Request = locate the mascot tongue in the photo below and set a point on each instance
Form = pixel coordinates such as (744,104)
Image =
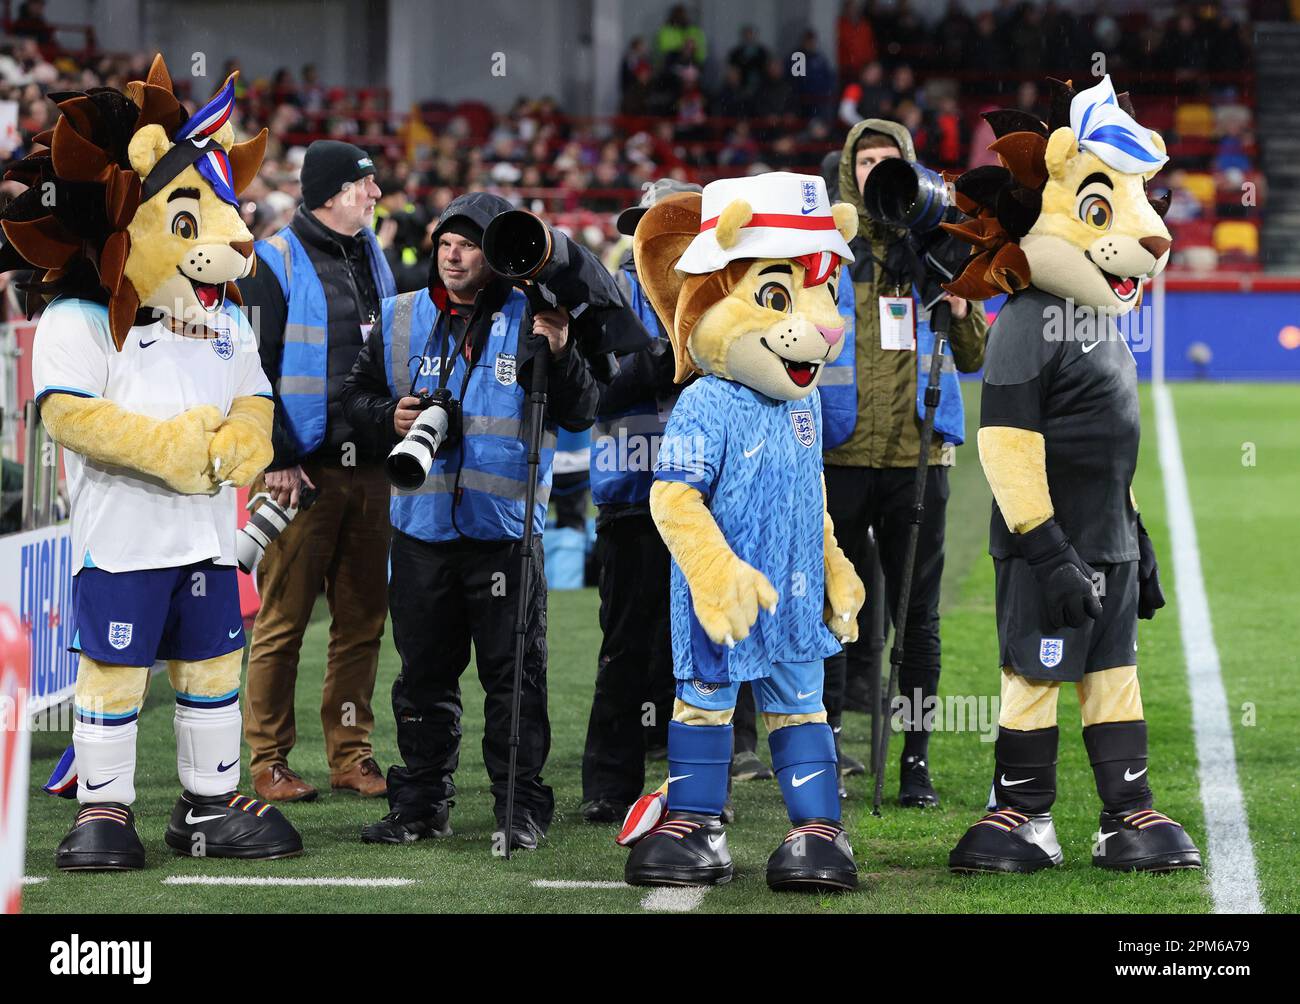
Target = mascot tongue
(208,295)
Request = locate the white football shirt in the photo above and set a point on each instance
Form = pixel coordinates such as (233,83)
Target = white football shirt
(123,520)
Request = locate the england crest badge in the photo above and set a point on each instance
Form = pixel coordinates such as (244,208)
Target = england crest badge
(1050,651)
(505,369)
(805,429)
(119,634)
(224,345)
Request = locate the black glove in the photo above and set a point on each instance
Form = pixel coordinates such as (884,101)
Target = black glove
(1150,596)
(1065,579)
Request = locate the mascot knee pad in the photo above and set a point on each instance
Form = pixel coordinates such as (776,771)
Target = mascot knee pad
(1027,704)
(699,763)
(803,757)
(208,723)
(108,700)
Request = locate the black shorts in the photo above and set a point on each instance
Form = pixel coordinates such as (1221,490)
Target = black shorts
(1033,648)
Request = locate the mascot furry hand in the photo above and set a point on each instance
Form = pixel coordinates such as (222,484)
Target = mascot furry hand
(744,279)
(148,374)
(1066,228)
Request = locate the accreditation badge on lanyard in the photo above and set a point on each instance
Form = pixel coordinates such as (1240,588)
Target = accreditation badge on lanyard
(897,324)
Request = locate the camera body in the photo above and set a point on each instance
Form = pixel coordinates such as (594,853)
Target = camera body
(439,425)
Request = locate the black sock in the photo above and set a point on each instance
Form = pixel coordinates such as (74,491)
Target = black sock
(920,690)
(1025,770)
(1118,754)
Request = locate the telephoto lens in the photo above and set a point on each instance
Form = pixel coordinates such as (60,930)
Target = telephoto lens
(266,523)
(906,194)
(409,462)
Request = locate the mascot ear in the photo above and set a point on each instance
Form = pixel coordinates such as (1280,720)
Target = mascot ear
(1158,142)
(846,220)
(662,237)
(1061,146)
(730,220)
(146,149)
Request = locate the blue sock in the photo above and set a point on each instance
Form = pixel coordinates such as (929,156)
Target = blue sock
(803,757)
(699,761)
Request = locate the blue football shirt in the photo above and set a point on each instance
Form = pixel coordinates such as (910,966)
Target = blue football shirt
(758,464)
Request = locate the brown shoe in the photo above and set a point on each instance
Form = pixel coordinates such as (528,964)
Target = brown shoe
(280,784)
(365,778)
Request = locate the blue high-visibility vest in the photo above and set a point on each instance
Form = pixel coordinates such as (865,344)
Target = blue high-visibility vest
(476,487)
(624,445)
(839,382)
(304,367)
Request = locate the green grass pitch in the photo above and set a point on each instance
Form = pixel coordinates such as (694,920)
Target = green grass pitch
(1243,514)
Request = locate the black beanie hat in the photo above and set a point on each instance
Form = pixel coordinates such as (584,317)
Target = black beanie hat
(329,165)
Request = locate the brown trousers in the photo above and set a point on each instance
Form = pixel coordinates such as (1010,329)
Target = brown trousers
(342,543)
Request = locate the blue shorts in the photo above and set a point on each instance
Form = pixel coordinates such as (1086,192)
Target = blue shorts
(792,688)
(189,613)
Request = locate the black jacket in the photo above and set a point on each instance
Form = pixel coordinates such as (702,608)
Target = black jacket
(343,267)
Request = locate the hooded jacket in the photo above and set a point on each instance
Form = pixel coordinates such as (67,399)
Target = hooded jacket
(888,429)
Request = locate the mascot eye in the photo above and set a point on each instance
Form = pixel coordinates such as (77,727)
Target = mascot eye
(774,296)
(1096,212)
(185,225)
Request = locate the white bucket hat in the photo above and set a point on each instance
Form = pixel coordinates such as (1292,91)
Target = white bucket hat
(790,216)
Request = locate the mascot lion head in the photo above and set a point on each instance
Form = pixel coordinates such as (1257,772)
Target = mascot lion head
(744,278)
(1067,210)
(135,205)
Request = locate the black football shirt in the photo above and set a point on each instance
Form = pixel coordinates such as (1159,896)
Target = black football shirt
(1064,371)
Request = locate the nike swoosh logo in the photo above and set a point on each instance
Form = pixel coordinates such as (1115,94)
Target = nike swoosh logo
(234,633)
(144,344)
(799,782)
(1134,777)
(1103,837)
(802,695)
(192,819)
(750,453)
(1011,784)
(1089,346)
(807,211)
(715,842)
(222,767)
(681,777)
(96,787)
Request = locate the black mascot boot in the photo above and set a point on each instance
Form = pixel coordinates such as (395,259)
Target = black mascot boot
(1132,836)
(231,826)
(687,848)
(1019,835)
(1143,841)
(102,838)
(1007,841)
(815,856)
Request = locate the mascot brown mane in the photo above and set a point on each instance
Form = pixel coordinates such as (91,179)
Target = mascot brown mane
(71,225)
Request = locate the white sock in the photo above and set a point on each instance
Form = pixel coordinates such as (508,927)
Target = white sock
(105,762)
(207,740)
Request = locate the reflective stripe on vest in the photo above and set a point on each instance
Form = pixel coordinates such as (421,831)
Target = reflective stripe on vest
(624,446)
(478,488)
(838,385)
(303,365)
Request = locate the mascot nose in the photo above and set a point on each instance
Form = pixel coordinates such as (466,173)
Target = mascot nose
(245,248)
(1156,245)
(832,335)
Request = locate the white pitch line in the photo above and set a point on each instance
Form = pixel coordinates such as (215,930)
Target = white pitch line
(259,880)
(577,884)
(681,899)
(1234,885)
(35,879)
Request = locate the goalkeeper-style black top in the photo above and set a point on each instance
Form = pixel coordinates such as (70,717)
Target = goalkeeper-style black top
(1069,375)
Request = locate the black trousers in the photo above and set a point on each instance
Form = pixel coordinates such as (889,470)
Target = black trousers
(862,498)
(443,597)
(633,701)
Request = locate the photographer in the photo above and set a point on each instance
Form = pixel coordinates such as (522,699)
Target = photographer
(455,560)
(314,298)
(873,434)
